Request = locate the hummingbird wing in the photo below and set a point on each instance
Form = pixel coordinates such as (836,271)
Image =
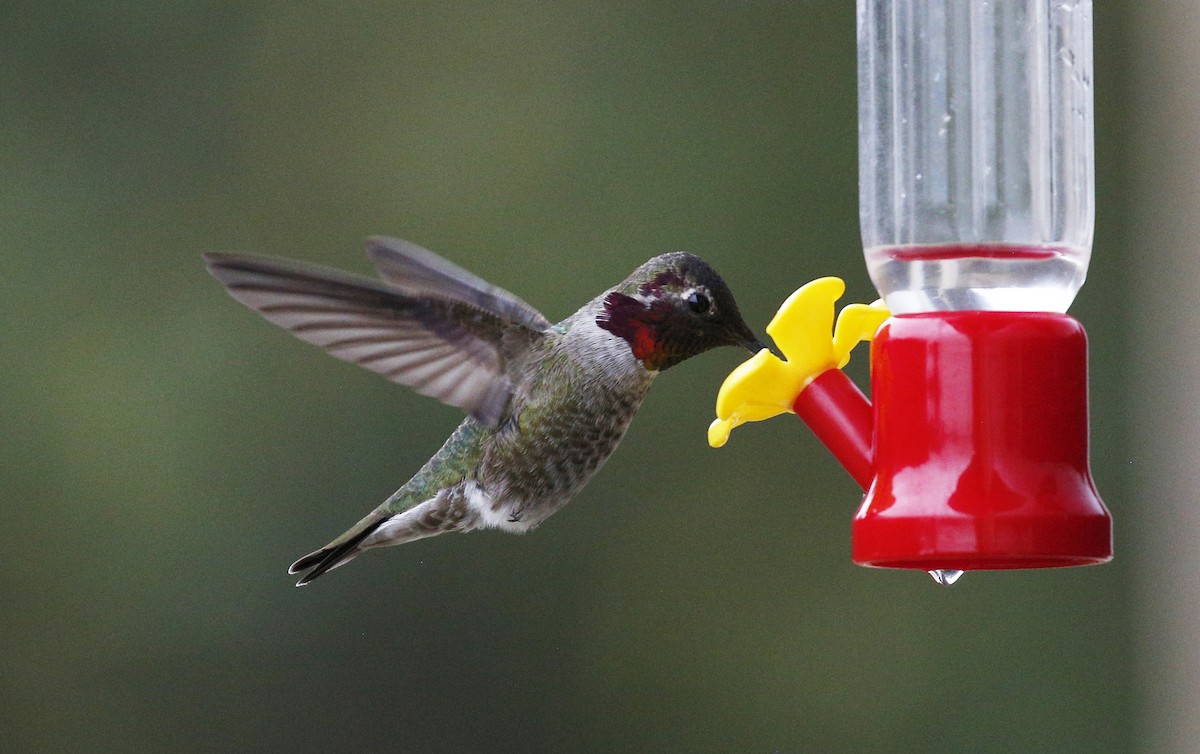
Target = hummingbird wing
(420,272)
(431,326)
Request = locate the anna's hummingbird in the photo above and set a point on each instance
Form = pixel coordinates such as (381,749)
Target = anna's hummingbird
(547,403)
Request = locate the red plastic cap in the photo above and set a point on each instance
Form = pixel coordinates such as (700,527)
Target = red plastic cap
(981,446)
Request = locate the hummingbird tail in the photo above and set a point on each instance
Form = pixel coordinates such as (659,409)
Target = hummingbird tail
(437,515)
(338,552)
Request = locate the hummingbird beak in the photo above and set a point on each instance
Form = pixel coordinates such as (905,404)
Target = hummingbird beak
(743,336)
(740,334)
(753,345)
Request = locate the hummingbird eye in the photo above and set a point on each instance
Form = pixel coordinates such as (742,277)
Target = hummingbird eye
(698,302)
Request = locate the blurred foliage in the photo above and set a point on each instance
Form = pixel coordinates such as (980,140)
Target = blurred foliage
(167,454)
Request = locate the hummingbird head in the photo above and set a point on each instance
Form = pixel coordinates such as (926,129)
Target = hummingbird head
(673,307)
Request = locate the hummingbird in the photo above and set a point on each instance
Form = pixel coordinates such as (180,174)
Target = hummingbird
(546,404)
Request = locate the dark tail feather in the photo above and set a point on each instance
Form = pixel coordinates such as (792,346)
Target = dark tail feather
(335,554)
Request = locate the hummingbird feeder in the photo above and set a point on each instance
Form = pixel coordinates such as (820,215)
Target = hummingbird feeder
(976,188)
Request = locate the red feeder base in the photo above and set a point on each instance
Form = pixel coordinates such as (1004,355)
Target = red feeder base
(980,446)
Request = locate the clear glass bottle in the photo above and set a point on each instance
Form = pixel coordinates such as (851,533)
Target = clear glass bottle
(975,152)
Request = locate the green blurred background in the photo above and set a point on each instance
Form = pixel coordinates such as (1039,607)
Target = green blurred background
(166,453)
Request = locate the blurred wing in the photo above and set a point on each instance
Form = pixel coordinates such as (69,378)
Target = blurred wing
(436,337)
(419,272)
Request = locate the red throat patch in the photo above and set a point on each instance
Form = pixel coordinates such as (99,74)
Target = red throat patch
(630,320)
(643,344)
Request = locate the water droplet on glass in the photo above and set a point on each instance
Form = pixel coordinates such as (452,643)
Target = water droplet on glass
(946,576)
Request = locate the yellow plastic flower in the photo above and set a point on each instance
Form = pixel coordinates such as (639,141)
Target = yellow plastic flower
(765,385)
